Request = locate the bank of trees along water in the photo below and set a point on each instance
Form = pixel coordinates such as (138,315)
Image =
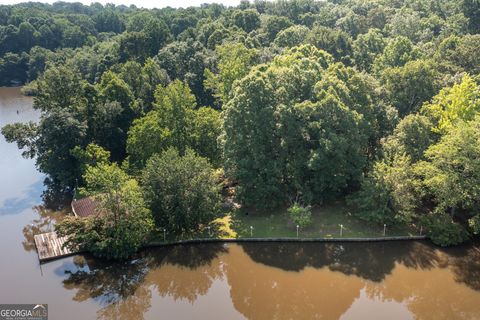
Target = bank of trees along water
(299,102)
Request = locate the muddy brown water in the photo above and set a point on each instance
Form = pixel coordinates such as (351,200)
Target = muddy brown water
(394,280)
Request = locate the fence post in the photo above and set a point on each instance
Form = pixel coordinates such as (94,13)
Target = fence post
(384,229)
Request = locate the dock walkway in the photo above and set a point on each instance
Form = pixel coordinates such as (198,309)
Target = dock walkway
(50,246)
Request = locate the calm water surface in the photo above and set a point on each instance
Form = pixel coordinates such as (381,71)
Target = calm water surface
(404,280)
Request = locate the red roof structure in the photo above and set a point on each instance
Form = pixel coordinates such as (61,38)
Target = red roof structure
(84,207)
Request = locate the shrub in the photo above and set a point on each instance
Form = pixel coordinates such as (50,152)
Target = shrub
(300,215)
(444,232)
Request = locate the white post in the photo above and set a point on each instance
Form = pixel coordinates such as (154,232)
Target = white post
(384,229)
(164,235)
(341,230)
(251,231)
(297,229)
(209,233)
(421,230)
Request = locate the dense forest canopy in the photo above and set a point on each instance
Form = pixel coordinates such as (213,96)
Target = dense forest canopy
(301,101)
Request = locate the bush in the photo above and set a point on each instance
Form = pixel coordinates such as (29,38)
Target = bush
(300,215)
(444,232)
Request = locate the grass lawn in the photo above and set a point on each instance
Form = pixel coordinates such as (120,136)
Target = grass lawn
(326,222)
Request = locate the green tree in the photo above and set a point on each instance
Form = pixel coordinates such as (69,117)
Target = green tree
(250,142)
(73,36)
(471,10)
(152,77)
(451,172)
(158,35)
(323,148)
(411,85)
(407,23)
(336,42)
(91,156)
(352,23)
(247,20)
(234,62)
(292,36)
(122,223)
(367,47)
(146,138)
(275,24)
(37,61)
(206,128)
(389,193)
(452,104)
(175,105)
(26,35)
(397,53)
(187,61)
(182,191)
(117,108)
(109,21)
(459,54)
(13,68)
(412,136)
(443,231)
(174,122)
(143,80)
(133,46)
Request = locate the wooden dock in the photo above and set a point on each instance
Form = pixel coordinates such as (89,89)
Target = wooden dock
(50,246)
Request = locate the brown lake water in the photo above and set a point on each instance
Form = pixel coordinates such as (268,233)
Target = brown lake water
(394,280)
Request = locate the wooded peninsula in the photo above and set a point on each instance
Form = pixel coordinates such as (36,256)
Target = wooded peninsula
(185,120)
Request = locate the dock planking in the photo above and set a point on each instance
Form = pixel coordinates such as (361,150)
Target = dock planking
(50,246)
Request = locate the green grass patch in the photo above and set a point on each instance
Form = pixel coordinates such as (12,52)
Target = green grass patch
(326,221)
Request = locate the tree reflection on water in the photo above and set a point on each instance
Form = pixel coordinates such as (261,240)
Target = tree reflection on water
(123,288)
(44,223)
(326,279)
(465,263)
(187,272)
(371,261)
(117,286)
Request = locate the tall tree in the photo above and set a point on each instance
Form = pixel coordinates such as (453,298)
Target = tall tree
(182,191)
(452,104)
(174,122)
(411,85)
(234,62)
